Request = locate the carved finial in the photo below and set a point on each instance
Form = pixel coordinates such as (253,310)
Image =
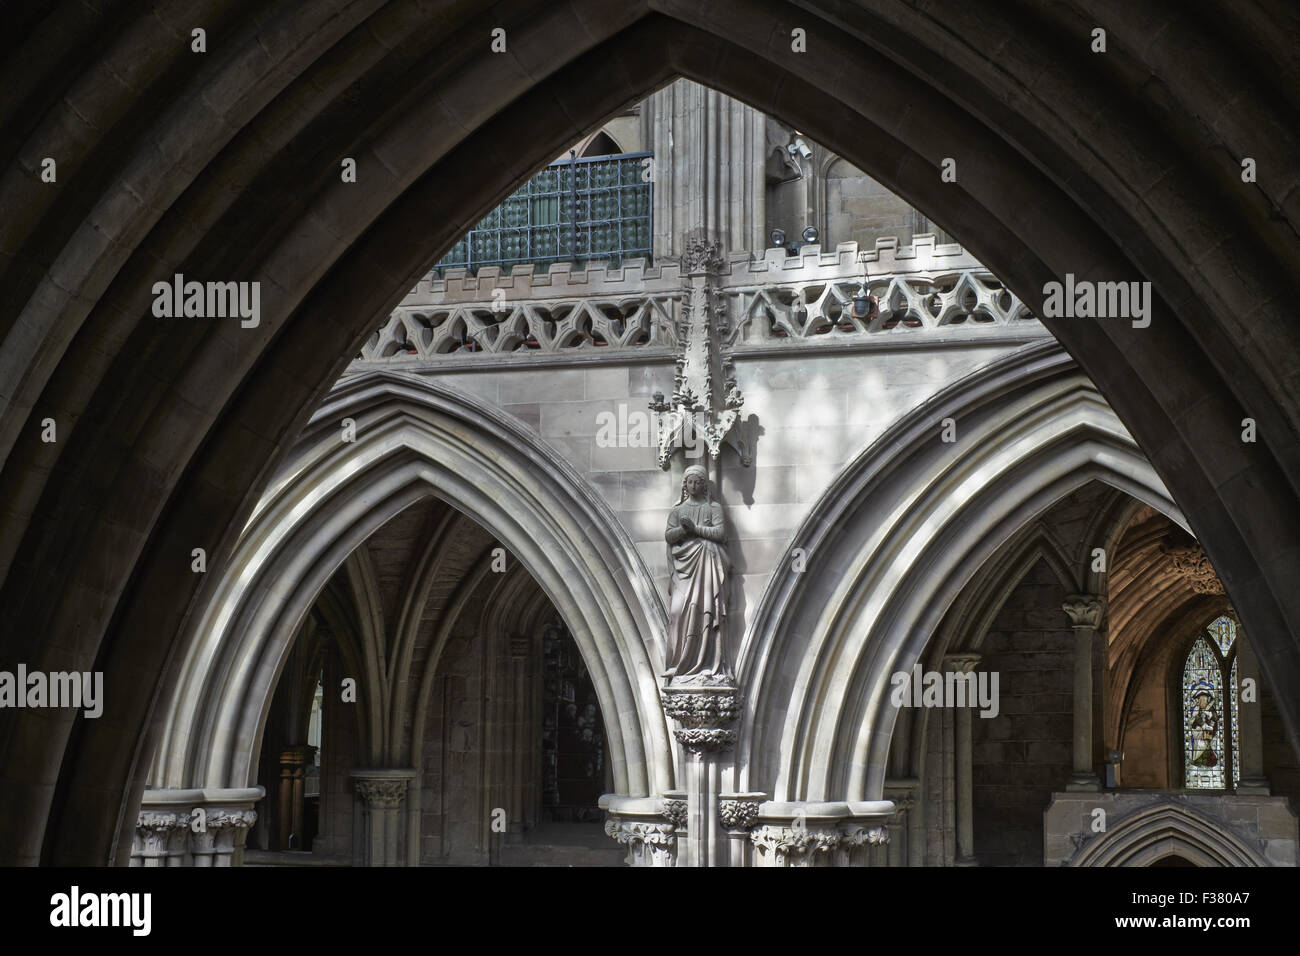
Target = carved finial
(698,410)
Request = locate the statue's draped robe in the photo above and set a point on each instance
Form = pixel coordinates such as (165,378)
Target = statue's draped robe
(699,589)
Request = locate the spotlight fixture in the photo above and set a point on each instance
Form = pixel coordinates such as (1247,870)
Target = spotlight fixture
(800,147)
(777,238)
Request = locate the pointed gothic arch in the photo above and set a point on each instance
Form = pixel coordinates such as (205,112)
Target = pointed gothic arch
(415,438)
(168,432)
(974,611)
(1168,829)
(891,546)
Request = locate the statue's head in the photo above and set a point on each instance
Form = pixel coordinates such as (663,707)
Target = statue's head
(695,482)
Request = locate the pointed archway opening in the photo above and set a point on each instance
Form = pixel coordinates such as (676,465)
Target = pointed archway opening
(431,648)
(210,417)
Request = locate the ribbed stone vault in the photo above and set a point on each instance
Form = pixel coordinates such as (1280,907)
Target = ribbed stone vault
(225,165)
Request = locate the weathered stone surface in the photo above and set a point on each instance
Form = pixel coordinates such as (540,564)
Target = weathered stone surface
(170,430)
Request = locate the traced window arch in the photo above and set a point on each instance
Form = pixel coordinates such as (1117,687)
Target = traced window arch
(601,144)
(1209,704)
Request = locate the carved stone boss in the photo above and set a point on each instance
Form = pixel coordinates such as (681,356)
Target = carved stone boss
(1191,562)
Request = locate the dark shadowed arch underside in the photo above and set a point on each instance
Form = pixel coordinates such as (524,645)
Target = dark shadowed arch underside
(1121,165)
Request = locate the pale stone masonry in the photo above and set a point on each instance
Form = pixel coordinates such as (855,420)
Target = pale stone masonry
(913,473)
(184,435)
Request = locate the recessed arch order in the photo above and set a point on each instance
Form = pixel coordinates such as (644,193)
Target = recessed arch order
(414,438)
(226,166)
(891,546)
(1146,836)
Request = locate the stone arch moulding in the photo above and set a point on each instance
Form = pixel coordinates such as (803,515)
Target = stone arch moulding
(1167,829)
(168,431)
(414,438)
(905,528)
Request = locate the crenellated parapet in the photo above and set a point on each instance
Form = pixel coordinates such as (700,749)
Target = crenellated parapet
(842,297)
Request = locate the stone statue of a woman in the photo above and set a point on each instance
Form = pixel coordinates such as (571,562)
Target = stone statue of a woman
(697,555)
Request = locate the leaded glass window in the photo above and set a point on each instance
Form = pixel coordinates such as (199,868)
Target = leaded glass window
(1209,695)
(577,210)
(1224,633)
(1232,717)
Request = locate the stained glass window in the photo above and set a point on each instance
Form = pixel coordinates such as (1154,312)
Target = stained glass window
(1209,670)
(1232,715)
(1224,632)
(1203,718)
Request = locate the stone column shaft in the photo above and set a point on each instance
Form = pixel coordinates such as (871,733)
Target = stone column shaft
(521,743)
(382,792)
(1085,612)
(963,764)
(905,840)
(721,191)
(1249,729)
(948,729)
(965,790)
(704,713)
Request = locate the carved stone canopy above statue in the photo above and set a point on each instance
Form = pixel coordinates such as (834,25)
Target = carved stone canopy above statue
(699,409)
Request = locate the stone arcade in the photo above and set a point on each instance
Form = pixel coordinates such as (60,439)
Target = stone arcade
(716,703)
(443,619)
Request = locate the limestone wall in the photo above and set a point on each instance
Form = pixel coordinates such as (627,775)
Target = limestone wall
(813,414)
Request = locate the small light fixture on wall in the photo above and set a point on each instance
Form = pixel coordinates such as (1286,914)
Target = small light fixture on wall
(799,147)
(865,306)
(777,238)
